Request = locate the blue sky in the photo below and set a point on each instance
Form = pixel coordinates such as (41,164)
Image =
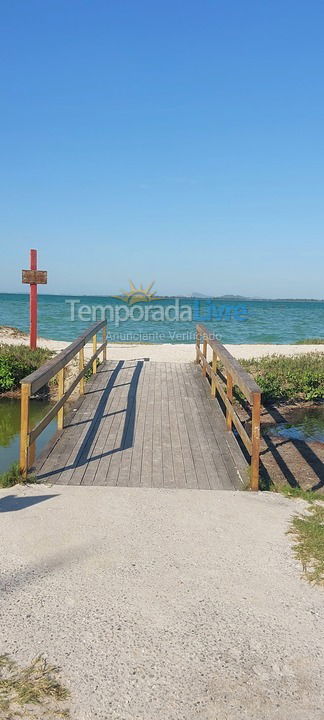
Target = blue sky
(174,141)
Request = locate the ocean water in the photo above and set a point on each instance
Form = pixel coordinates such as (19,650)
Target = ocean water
(169,320)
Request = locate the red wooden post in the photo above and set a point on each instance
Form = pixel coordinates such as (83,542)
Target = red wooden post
(33,303)
(33,277)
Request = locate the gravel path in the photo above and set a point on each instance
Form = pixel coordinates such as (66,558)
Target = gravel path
(162,605)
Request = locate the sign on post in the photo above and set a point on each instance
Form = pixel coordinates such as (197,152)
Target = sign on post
(33,277)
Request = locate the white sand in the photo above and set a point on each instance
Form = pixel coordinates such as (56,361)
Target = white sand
(166,352)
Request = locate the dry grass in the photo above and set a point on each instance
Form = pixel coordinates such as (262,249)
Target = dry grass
(34,691)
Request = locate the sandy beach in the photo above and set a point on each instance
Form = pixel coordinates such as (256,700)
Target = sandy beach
(162,353)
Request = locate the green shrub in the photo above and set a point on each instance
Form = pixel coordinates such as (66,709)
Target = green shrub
(11,477)
(300,377)
(6,377)
(17,361)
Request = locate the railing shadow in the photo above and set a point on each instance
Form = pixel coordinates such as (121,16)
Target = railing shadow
(12,503)
(306,452)
(127,438)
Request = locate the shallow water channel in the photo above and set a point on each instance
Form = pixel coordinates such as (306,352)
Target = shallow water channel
(302,424)
(10,428)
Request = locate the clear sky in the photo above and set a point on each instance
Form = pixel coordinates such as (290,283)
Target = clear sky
(168,140)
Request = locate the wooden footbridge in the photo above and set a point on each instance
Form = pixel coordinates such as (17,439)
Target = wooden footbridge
(143,423)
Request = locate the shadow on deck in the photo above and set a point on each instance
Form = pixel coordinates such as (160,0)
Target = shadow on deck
(149,424)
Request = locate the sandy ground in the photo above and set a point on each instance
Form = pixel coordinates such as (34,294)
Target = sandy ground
(162,604)
(166,352)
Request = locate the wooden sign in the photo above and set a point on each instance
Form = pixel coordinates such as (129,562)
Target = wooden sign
(33,277)
(39,277)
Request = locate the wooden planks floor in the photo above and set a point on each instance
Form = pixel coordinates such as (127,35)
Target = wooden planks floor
(143,423)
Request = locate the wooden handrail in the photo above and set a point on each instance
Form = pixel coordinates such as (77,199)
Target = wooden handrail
(241,377)
(46,372)
(237,376)
(56,367)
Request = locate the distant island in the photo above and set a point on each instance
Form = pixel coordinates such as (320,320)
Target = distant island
(193,296)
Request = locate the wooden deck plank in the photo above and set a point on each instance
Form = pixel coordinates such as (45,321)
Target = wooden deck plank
(177,456)
(146,424)
(123,425)
(113,431)
(100,406)
(224,448)
(216,466)
(157,468)
(197,441)
(113,412)
(136,464)
(147,448)
(124,477)
(189,465)
(58,459)
(169,480)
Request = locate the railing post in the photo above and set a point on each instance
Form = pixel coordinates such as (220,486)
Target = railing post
(214,369)
(60,414)
(204,350)
(197,347)
(229,394)
(81,367)
(94,349)
(104,340)
(255,459)
(24,429)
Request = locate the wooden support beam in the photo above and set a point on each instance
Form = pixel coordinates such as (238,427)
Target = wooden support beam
(24,429)
(213,387)
(81,366)
(94,349)
(204,351)
(104,340)
(229,393)
(255,459)
(60,414)
(197,347)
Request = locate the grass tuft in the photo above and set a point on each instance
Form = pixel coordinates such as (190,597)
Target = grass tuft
(308,533)
(11,477)
(36,688)
(297,492)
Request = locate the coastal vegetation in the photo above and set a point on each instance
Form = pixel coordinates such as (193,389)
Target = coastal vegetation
(308,533)
(310,341)
(281,378)
(17,361)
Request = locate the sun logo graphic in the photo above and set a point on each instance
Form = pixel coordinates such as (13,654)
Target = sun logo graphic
(136,295)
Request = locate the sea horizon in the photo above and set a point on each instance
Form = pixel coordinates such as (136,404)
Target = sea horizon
(199,296)
(169,319)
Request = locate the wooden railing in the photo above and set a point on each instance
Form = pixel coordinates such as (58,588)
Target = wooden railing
(56,367)
(235,376)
